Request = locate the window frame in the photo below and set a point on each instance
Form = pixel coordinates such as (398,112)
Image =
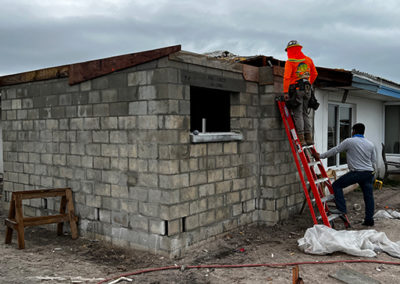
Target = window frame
(338,105)
(390,104)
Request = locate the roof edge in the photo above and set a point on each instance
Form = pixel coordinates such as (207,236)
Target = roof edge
(80,72)
(84,71)
(36,75)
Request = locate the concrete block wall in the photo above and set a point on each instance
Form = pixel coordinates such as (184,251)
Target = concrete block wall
(121,142)
(107,139)
(281,195)
(216,183)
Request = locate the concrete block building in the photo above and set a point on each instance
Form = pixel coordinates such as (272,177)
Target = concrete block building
(162,149)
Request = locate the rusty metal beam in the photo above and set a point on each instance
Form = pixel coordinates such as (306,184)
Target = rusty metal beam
(37,75)
(84,71)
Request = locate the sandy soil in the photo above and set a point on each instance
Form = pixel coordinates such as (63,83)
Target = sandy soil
(52,259)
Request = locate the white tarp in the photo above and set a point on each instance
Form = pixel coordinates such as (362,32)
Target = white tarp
(387,214)
(321,239)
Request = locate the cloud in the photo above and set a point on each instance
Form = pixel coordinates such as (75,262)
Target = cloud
(338,34)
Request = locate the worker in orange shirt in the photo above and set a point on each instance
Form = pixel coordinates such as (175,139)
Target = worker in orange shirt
(300,74)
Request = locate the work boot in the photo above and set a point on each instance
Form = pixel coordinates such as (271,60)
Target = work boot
(301,138)
(309,138)
(368,223)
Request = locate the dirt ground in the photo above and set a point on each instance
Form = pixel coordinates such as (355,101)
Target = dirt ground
(52,259)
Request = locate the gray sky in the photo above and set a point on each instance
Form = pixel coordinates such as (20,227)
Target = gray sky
(358,34)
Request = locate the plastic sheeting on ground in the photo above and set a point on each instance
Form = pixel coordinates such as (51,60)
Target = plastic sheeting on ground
(321,240)
(387,214)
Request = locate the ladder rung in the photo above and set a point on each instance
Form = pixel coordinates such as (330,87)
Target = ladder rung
(330,217)
(321,180)
(328,198)
(317,181)
(314,163)
(325,198)
(333,217)
(308,146)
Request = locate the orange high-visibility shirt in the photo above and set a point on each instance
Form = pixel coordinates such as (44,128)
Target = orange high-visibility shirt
(296,69)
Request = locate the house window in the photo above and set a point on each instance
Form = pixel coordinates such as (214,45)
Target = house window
(339,128)
(210,116)
(392,131)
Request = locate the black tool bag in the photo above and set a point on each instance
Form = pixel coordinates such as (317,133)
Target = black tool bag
(312,102)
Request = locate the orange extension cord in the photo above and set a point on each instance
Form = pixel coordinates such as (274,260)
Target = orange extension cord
(184,267)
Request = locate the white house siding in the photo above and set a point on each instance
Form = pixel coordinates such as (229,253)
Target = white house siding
(367,111)
(1,151)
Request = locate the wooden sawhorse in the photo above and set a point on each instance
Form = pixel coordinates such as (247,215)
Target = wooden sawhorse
(16,220)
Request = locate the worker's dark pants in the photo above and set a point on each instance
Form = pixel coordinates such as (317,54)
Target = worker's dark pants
(364,179)
(301,115)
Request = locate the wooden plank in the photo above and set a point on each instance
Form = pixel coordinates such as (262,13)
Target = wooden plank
(19,218)
(203,60)
(37,75)
(266,76)
(11,215)
(63,204)
(278,71)
(84,71)
(250,73)
(44,220)
(72,217)
(41,193)
(10,222)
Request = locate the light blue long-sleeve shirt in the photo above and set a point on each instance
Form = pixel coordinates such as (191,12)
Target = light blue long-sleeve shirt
(360,153)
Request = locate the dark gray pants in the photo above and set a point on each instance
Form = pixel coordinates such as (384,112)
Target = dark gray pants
(301,115)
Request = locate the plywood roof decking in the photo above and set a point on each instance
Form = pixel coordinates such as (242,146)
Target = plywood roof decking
(80,72)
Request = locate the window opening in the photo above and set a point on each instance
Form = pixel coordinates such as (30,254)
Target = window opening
(209,110)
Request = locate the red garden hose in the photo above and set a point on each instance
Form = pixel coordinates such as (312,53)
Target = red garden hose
(250,265)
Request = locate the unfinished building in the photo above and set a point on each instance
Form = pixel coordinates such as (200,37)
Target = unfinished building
(162,149)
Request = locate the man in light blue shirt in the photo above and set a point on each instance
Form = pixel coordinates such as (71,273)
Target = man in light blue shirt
(361,160)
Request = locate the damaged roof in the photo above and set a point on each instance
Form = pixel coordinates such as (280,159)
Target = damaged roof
(327,77)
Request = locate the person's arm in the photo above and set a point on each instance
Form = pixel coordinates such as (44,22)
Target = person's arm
(333,151)
(313,72)
(373,160)
(286,77)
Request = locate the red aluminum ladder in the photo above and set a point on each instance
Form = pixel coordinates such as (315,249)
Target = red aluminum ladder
(317,183)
